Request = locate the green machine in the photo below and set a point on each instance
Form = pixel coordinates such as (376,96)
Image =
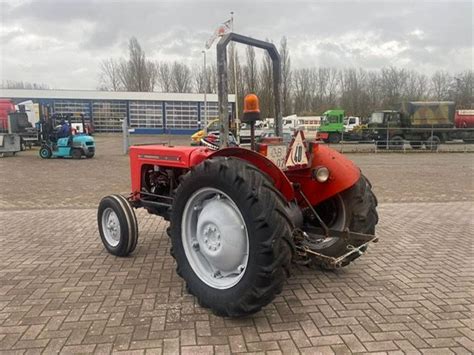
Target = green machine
(332,126)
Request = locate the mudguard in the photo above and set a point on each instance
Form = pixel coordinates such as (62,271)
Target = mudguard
(343,174)
(281,181)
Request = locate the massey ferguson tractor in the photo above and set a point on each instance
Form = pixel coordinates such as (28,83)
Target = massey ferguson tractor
(240,217)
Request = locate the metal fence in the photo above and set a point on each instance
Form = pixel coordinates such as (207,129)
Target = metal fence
(404,147)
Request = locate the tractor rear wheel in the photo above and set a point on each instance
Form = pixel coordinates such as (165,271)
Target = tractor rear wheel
(355,209)
(118,225)
(230,236)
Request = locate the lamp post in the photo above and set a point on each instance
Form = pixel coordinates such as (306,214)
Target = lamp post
(205,90)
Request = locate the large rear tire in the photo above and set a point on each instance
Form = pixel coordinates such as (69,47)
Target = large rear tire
(354,208)
(118,225)
(230,236)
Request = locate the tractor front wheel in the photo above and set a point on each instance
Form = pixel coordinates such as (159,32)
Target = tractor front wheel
(355,209)
(230,236)
(118,225)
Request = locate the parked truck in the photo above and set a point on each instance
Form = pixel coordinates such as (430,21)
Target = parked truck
(335,127)
(420,123)
(332,126)
(6,106)
(464,119)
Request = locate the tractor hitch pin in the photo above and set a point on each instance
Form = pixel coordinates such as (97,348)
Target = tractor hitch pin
(313,211)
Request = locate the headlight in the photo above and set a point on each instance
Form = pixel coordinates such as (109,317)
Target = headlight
(321,174)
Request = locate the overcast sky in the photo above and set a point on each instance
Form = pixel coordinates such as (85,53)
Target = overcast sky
(61,43)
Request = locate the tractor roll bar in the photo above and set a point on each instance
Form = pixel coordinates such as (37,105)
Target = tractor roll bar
(222,84)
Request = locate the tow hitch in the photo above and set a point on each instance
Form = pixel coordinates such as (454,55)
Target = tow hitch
(306,243)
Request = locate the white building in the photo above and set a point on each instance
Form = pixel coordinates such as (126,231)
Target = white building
(146,112)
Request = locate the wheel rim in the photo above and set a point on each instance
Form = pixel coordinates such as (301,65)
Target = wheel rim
(333,213)
(44,153)
(111,227)
(215,238)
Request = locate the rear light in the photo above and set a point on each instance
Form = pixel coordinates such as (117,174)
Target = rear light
(262,149)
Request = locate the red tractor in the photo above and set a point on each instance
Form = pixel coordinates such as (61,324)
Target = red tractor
(239,217)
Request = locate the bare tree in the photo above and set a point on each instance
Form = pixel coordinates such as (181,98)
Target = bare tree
(416,86)
(135,74)
(285,77)
(13,84)
(266,86)
(302,79)
(351,82)
(199,79)
(440,83)
(164,76)
(212,78)
(251,71)
(462,89)
(393,85)
(181,78)
(109,77)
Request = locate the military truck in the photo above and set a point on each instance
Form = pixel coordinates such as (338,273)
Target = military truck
(420,123)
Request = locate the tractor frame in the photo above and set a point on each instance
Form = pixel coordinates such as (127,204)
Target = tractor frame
(237,219)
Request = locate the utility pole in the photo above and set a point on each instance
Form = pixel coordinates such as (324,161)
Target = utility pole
(237,120)
(205,91)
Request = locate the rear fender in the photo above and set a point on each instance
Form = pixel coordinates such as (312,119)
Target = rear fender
(343,174)
(280,180)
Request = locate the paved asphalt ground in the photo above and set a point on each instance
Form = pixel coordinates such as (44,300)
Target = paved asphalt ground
(61,292)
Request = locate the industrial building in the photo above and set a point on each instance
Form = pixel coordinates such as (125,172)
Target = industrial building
(145,112)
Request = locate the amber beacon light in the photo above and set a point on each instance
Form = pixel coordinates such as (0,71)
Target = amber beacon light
(251,109)
(251,114)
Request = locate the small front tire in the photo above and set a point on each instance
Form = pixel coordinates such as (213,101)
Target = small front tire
(45,152)
(118,225)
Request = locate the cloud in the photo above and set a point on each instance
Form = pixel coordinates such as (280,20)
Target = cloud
(62,42)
